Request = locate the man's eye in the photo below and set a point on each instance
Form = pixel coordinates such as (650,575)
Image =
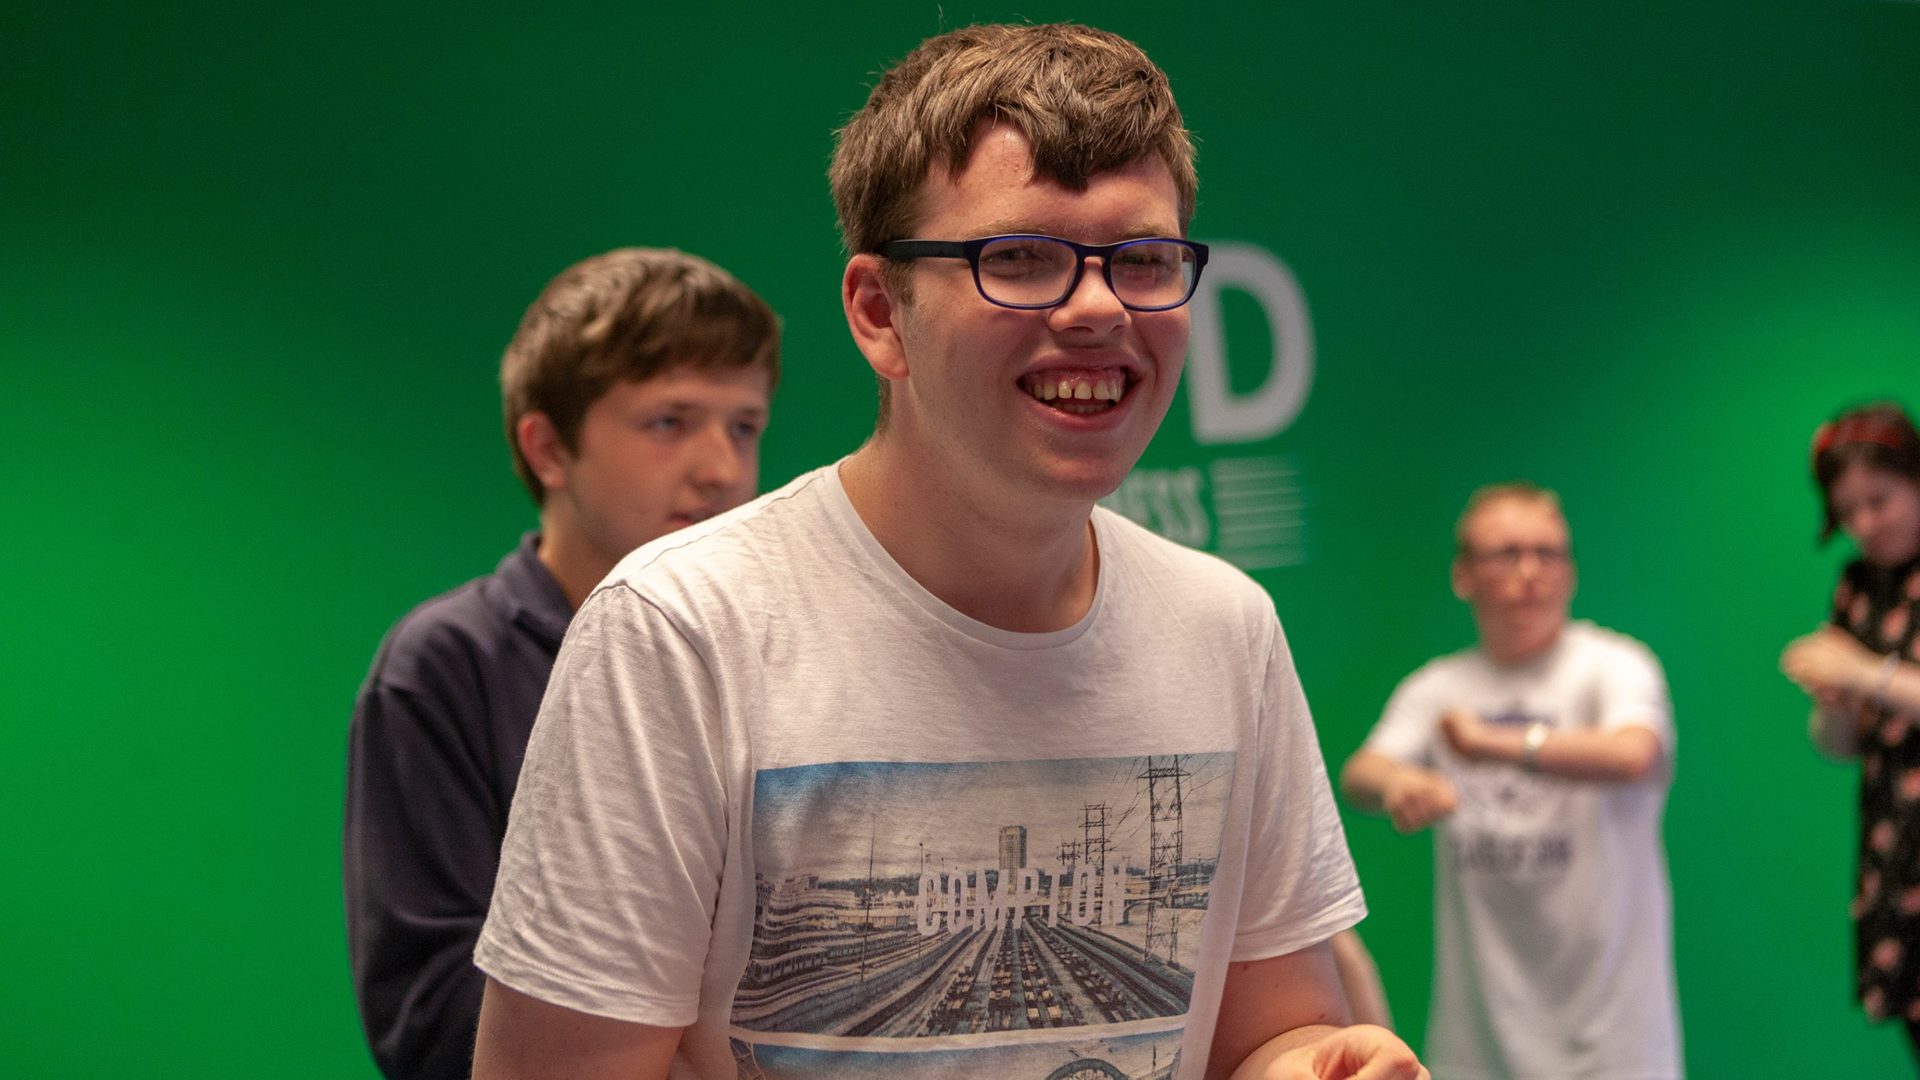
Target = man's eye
(1144,268)
(746,429)
(1009,258)
(1015,258)
(665,425)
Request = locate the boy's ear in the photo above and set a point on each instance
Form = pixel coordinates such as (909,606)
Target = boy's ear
(873,315)
(540,444)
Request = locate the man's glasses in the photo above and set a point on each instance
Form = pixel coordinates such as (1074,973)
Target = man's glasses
(1027,271)
(1510,557)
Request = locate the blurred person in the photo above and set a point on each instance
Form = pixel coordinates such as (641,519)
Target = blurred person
(1863,673)
(1360,978)
(635,392)
(1541,759)
(776,811)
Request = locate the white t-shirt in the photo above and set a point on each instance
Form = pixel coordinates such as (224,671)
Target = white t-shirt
(780,794)
(1553,911)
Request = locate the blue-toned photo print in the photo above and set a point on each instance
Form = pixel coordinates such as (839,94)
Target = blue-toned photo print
(956,908)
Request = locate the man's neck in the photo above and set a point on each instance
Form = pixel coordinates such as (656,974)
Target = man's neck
(574,564)
(1515,647)
(1025,568)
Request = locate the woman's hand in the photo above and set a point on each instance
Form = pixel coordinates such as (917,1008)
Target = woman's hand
(1830,665)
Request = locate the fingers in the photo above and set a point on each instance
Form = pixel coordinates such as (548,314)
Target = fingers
(1388,1070)
(1364,1052)
(1390,1064)
(1417,815)
(1809,665)
(1420,801)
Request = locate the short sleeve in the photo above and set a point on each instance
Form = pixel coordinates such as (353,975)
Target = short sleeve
(1301,888)
(1406,728)
(618,832)
(1632,691)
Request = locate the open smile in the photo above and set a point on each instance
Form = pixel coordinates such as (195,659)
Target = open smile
(1078,391)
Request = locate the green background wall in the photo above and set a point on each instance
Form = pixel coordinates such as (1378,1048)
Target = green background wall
(256,269)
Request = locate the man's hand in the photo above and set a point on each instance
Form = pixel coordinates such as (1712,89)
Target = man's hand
(1830,662)
(1416,798)
(1465,732)
(1360,1052)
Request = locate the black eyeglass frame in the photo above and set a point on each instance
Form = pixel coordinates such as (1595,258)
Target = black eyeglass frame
(1508,557)
(908,250)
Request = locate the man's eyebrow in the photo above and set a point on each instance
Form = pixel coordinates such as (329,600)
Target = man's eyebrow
(692,404)
(1017,226)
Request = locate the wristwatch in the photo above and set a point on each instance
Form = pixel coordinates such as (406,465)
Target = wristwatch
(1530,745)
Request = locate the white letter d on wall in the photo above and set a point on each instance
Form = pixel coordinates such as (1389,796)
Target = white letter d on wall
(1220,415)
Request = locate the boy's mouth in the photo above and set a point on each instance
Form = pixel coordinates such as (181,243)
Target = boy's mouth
(1077,391)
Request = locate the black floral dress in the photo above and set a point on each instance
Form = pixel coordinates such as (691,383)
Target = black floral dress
(1881,608)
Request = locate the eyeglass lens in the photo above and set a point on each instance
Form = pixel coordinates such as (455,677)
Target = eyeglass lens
(1037,271)
(1509,557)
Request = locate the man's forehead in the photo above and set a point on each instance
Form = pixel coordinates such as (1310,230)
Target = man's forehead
(1517,513)
(999,170)
(1024,223)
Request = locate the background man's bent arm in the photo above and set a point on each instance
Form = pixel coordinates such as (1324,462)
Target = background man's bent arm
(1360,978)
(1412,795)
(1623,755)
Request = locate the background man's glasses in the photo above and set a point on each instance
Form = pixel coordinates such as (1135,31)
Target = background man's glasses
(1511,556)
(1028,271)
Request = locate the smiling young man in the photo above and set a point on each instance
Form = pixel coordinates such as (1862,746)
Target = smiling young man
(635,392)
(923,765)
(1541,758)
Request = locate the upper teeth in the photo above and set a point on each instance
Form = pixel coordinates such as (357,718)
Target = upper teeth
(1079,387)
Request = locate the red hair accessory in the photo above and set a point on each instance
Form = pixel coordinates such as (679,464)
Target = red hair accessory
(1857,429)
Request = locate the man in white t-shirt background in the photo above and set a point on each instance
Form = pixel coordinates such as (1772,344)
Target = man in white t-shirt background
(1541,759)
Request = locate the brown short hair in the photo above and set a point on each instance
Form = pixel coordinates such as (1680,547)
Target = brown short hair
(1087,100)
(624,316)
(1879,435)
(1516,490)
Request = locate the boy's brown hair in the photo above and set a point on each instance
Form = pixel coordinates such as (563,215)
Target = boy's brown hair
(626,316)
(1087,100)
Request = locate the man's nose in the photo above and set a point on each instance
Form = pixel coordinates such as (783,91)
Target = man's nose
(1530,564)
(720,461)
(1092,302)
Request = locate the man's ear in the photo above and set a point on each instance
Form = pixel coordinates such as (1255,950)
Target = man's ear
(540,444)
(873,315)
(1461,586)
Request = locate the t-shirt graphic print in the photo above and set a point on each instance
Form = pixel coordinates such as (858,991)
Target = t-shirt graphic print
(1009,919)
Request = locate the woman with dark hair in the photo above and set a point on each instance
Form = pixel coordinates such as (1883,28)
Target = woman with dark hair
(1863,673)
